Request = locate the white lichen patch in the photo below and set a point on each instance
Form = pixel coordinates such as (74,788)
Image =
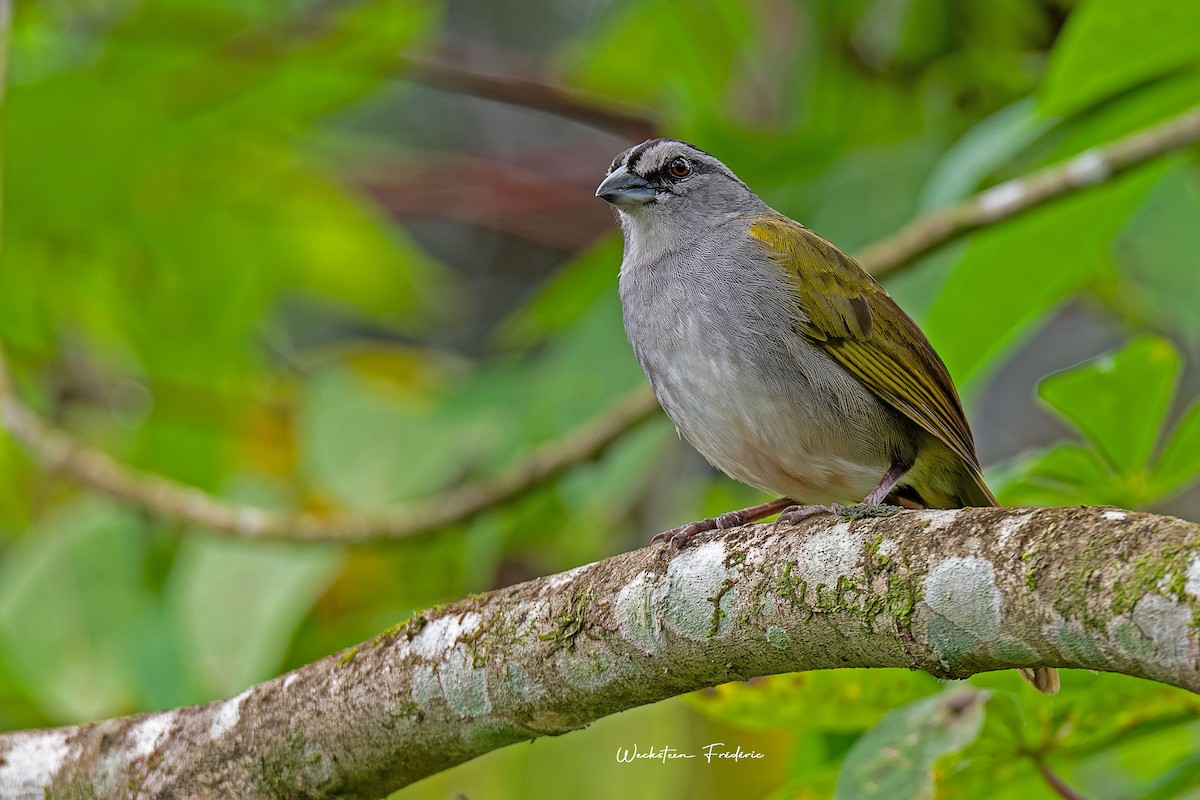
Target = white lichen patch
(1167,624)
(1115,516)
(30,762)
(105,774)
(519,686)
(765,546)
(228,714)
(834,551)
(251,521)
(463,684)
(963,591)
(1010,526)
(1089,167)
(700,593)
(1191,582)
(443,633)
(1001,200)
(290,679)
(145,736)
(426,687)
(886,547)
(637,611)
(936,520)
(563,578)
(963,605)
(1076,643)
(589,670)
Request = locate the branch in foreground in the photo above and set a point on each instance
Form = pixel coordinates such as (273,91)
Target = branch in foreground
(1089,168)
(59,452)
(950,592)
(90,467)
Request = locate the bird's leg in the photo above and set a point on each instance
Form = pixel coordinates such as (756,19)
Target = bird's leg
(888,482)
(731,519)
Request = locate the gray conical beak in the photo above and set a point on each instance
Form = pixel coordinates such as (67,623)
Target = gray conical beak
(625,189)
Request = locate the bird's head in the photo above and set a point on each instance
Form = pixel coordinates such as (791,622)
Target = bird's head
(664,180)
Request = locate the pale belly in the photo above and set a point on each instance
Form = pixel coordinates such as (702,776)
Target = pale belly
(767,408)
(786,435)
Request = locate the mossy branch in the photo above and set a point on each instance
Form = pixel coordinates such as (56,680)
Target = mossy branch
(949,592)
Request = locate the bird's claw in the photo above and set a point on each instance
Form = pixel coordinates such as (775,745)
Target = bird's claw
(793,514)
(677,537)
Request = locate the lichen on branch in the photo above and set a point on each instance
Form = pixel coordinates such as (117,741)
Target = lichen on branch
(949,592)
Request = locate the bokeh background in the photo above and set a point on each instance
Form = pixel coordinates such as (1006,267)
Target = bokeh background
(323,254)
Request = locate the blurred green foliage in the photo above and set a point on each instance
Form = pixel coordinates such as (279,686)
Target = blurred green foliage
(189,281)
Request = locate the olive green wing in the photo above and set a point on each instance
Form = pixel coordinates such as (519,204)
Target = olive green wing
(846,313)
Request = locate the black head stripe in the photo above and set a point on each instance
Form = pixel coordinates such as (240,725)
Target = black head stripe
(635,155)
(637,152)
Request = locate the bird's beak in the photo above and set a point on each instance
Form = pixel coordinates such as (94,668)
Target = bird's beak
(625,189)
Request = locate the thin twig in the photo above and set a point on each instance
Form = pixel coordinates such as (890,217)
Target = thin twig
(1091,167)
(59,451)
(1056,783)
(532,93)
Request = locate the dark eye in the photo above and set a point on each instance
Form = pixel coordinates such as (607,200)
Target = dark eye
(680,168)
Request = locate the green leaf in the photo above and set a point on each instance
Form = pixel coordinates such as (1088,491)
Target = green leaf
(369,445)
(1179,465)
(981,151)
(685,55)
(1108,46)
(237,604)
(1066,473)
(844,700)
(870,192)
(1119,401)
(1011,275)
(78,627)
(1158,257)
(1088,732)
(568,293)
(895,759)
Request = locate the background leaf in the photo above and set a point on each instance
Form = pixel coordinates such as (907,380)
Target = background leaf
(895,758)
(1110,45)
(1119,401)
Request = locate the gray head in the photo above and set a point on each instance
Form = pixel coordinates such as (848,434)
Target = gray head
(666,180)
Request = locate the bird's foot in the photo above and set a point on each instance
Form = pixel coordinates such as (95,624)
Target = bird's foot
(793,514)
(677,537)
(853,512)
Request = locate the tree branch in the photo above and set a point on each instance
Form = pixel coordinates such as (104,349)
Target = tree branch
(1095,588)
(1011,198)
(59,451)
(535,94)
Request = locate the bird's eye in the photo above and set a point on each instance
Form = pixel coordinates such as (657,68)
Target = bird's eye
(680,168)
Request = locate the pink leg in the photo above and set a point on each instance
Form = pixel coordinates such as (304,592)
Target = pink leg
(731,519)
(888,482)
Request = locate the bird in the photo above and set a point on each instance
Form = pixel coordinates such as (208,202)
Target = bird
(778,357)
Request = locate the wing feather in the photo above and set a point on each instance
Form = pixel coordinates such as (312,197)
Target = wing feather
(841,309)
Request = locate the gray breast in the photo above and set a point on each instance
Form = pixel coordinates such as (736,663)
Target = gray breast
(756,399)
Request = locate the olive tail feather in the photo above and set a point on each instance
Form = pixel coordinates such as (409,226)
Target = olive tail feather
(1044,679)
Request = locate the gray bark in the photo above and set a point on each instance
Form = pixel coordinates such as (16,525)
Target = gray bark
(949,592)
